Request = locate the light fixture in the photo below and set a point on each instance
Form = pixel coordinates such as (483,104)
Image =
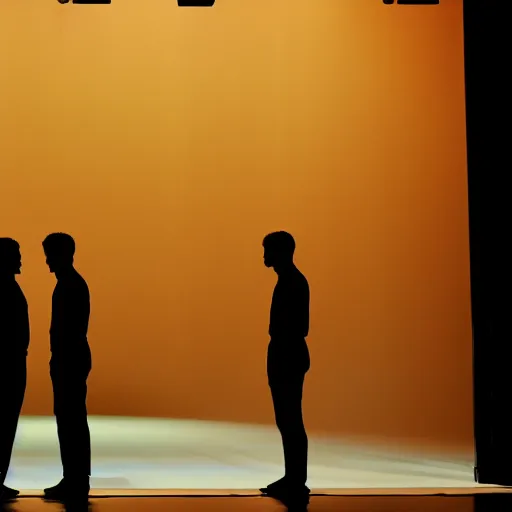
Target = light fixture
(87,2)
(196,3)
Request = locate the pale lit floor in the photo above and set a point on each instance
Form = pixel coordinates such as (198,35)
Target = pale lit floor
(156,454)
(480,503)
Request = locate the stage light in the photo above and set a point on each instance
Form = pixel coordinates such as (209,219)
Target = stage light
(411,2)
(196,3)
(417,2)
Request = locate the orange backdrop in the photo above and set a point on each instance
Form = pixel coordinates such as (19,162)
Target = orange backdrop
(169,141)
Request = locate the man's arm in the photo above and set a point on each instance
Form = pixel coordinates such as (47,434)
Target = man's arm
(4,322)
(74,305)
(297,309)
(24,324)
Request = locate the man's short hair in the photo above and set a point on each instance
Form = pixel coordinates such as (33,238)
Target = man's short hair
(61,244)
(280,241)
(7,247)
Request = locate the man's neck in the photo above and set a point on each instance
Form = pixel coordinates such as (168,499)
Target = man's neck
(62,274)
(7,278)
(282,270)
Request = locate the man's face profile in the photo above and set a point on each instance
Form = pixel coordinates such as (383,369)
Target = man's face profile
(50,261)
(268,257)
(11,262)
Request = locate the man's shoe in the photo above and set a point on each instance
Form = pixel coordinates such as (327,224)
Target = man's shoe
(67,491)
(274,486)
(8,494)
(53,493)
(284,487)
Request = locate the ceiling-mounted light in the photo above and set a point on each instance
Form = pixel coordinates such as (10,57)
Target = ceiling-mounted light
(196,3)
(87,2)
(412,2)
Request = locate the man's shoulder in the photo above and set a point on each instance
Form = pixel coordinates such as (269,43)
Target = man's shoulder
(74,283)
(10,291)
(82,284)
(300,278)
(298,281)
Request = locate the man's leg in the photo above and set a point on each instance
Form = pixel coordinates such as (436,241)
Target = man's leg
(73,430)
(287,399)
(286,374)
(12,385)
(70,394)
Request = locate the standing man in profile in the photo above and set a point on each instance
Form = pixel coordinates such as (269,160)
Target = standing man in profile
(70,365)
(14,341)
(287,364)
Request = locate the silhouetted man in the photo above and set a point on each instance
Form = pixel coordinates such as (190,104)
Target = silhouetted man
(287,362)
(14,341)
(70,365)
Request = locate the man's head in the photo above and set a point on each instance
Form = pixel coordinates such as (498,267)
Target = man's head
(278,249)
(59,249)
(10,257)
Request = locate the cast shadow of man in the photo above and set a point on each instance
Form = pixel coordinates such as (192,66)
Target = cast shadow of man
(78,506)
(6,506)
(492,501)
(298,503)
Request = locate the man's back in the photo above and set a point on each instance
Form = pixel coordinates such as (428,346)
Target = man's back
(289,312)
(70,314)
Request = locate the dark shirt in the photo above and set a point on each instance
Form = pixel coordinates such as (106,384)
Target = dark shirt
(70,315)
(289,312)
(14,321)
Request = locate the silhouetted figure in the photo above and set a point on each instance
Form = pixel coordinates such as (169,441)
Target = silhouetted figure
(70,365)
(14,341)
(287,363)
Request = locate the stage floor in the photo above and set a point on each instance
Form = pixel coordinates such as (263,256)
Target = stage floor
(481,503)
(152,456)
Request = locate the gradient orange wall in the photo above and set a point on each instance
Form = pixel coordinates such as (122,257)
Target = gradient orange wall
(169,141)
